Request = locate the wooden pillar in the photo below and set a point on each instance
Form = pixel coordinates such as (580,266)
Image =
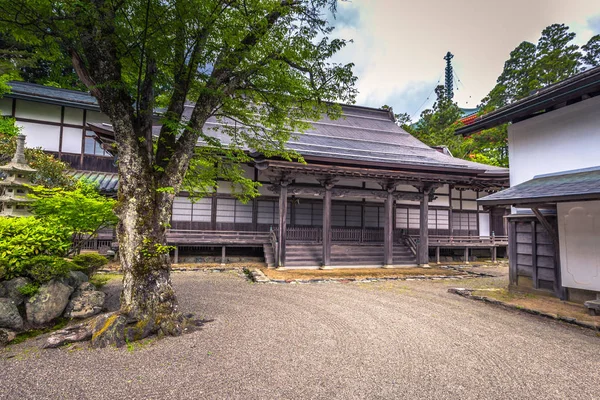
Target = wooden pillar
(423,229)
(176,255)
(326,263)
(223,255)
(495,254)
(437,255)
(466,255)
(282,222)
(388,230)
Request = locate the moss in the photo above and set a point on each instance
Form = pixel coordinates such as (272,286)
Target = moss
(21,337)
(109,321)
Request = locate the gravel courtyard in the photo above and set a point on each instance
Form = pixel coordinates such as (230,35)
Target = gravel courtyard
(388,340)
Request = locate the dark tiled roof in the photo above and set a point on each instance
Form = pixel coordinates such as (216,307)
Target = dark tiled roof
(361,135)
(48,94)
(368,135)
(574,185)
(107,182)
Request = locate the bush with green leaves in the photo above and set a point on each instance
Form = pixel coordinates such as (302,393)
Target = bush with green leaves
(89,263)
(42,269)
(23,238)
(29,289)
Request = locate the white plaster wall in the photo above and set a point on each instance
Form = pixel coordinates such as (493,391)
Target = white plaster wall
(37,111)
(579,237)
(484,224)
(72,138)
(562,140)
(40,135)
(73,116)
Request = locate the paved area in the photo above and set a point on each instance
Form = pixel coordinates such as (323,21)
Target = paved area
(388,340)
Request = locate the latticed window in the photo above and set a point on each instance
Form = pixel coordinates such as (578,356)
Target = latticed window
(464,222)
(233,210)
(374,216)
(185,210)
(308,214)
(346,215)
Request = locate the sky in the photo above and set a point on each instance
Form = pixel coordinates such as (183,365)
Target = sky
(398,46)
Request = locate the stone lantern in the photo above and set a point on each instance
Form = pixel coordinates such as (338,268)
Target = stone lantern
(13,189)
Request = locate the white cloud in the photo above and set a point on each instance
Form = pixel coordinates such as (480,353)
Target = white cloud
(399,46)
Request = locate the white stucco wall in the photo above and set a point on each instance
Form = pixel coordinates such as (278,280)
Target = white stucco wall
(562,140)
(579,236)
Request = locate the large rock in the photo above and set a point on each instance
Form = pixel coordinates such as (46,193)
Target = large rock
(6,336)
(9,315)
(85,302)
(3,291)
(48,303)
(74,279)
(72,334)
(12,289)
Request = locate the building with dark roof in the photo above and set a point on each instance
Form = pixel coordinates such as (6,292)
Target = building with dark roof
(553,137)
(366,184)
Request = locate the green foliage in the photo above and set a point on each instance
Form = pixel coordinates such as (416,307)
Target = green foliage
(26,237)
(42,269)
(437,125)
(89,263)
(101,280)
(29,289)
(260,67)
(80,209)
(529,67)
(592,52)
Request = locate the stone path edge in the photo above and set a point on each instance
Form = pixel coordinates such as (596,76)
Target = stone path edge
(258,276)
(467,293)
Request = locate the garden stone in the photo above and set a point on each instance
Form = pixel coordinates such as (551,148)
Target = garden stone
(48,303)
(3,292)
(9,315)
(12,289)
(74,279)
(71,334)
(6,336)
(85,302)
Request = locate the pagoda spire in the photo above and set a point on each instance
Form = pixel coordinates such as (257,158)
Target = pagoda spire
(449,76)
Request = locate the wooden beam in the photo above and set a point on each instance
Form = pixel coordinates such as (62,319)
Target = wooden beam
(388,230)
(546,224)
(223,255)
(534,270)
(512,258)
(424,229)
(342,192)
(326,262)
(559,290)
(282,222)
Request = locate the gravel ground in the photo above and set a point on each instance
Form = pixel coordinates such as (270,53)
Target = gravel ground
(401,339)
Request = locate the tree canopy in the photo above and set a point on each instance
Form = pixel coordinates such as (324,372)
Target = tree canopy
(260,67)
(529,67)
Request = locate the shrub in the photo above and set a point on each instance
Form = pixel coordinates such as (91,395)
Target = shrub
(89,263)
(29,289)
(27,237)
(42,269)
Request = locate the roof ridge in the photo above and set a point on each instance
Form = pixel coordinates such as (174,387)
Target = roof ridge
(569,172)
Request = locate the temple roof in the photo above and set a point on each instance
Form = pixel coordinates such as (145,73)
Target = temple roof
(576,185)
(363,136)
(107,182)
(547,99)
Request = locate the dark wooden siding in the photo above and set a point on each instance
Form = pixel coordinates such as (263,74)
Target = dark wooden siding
(533,253)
